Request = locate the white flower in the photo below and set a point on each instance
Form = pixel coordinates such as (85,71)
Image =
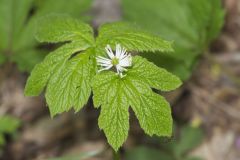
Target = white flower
(120,60)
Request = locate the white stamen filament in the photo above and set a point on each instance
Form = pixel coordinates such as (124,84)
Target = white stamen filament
(120,60)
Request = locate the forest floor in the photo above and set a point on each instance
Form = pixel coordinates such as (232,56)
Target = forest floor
(211,98)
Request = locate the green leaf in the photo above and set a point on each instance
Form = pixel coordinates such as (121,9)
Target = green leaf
(70,85)
(2,58)
(42,71)
(104,82)
(156,77)
(144,153)
(131,37)
(75,8)
(208,26)
(114,116)
(192,25)
(18,23)
(37,80)
(67,73)
(154,114)
(2,140)
(115,95)
(8,124)
(114,119)
(189,139)
(194,158)
(151,109)
(27,59)
(13,15)
(172,64)
(60,28)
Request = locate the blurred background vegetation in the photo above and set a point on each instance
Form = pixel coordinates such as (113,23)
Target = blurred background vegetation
(206,110)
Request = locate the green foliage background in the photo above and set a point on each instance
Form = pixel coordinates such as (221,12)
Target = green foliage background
(8,125)
(191,24)
(18,24)
(188,139)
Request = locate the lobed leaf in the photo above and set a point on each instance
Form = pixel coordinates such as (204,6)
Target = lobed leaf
(115,95)
(69,74)
(114,119)
(154,115)
(191,24)
(154,76)
(104,82)
(131,38)
(69,85)
(152,110)
(42,71)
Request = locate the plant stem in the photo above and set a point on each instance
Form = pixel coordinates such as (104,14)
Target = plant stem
(116,155)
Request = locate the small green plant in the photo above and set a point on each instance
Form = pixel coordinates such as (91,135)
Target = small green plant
(189,138)
(8,125)
(81,66)
(17,25)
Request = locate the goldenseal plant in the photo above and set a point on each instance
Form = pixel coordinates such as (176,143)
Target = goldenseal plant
(104,66)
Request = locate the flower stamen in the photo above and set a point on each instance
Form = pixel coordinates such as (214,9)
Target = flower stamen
(115,61)
(120,60)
